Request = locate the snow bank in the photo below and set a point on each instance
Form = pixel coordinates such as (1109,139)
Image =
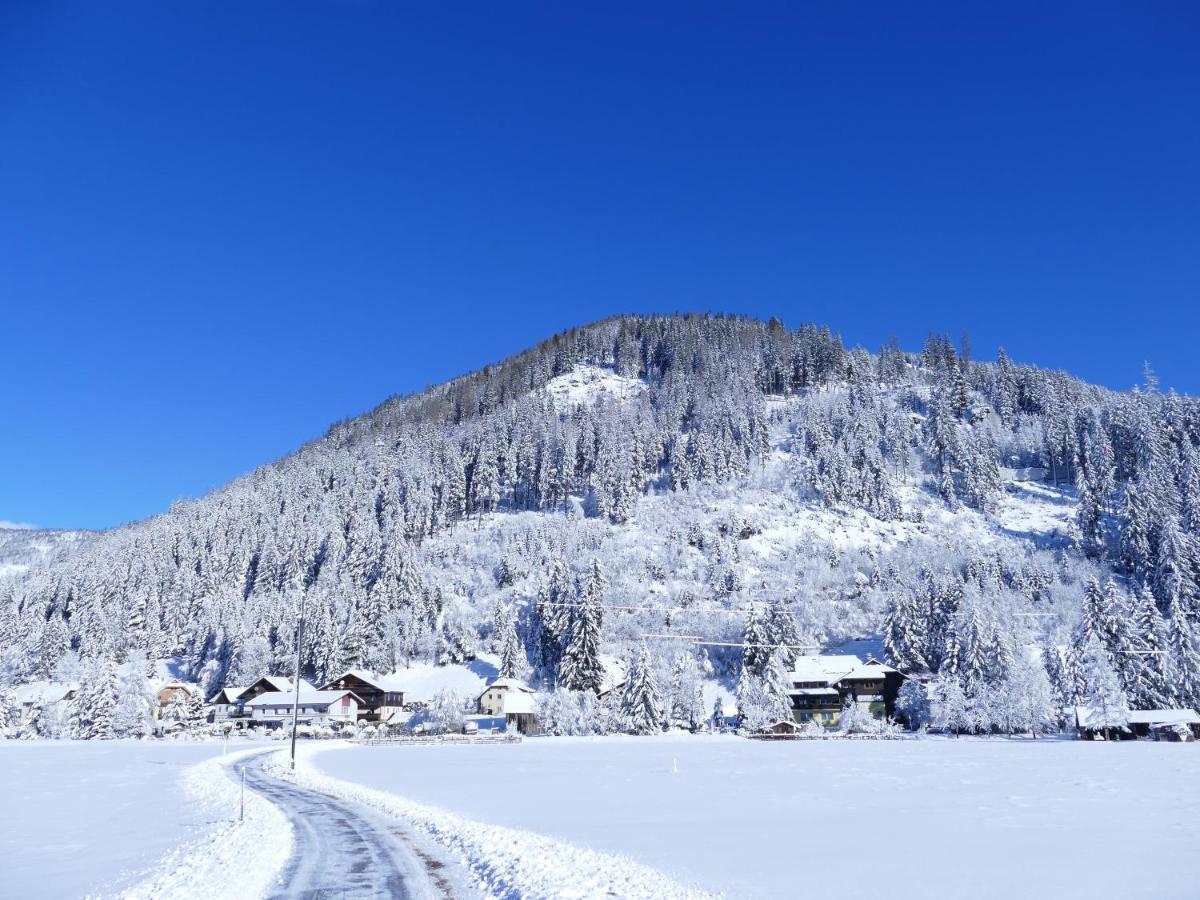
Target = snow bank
(235,859)
(506,861)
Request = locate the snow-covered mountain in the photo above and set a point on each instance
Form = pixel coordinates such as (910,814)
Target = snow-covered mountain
(21,548)
(718,490)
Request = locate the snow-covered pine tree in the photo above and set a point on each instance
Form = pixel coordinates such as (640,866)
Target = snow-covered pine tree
(582,668)
(1108,707)
(1184,659)
(508,644)
(1145,672)
(641,702)
(101,703)
(903,635)
(10,714)
(717,718)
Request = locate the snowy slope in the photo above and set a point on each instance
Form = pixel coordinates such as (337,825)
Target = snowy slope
(21,548)
(587,384)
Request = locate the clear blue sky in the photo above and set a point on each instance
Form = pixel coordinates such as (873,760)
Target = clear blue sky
(224,226)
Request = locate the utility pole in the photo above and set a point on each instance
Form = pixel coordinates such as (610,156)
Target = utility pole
(296,701)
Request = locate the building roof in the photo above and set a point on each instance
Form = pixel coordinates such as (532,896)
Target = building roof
(831,669)
(814,692)
(518,703)
(1164,717)
(228,694)
(387,683)
(508,684)
(1090,717)
(825,669)
(871,669)
(307,698)
(43,691)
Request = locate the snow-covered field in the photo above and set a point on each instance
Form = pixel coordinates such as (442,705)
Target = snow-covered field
(94,817)
(977,817)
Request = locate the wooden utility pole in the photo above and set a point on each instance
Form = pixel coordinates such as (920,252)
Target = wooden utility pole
(296,701)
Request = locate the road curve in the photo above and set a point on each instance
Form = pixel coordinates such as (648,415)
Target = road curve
(341,850)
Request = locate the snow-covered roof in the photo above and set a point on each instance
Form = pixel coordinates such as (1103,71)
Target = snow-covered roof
(43,691)
(871,669)
(825,669)
(1164,717)
(518,703)
(279,682)
(390,683)
(814,692)
(1089,717)
(307,698)
(508,684)
(421,681)
(229,694)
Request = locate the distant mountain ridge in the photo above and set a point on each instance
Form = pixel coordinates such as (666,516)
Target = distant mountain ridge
(23,548)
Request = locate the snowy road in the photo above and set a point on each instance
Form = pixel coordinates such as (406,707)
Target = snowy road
(343,850)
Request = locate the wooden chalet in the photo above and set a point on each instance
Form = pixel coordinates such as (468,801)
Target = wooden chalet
(821,686)
(266,685)
(173,689)
(379,696)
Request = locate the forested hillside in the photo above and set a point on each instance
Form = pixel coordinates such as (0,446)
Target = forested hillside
(22,548)
(697,495)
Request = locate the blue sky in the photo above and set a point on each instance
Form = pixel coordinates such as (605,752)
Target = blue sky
(225,226)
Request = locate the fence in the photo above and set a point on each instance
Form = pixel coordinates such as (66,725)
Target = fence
(407,739)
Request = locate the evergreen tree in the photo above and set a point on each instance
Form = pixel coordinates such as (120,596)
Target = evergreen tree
(1148,685)
(641,703)
(903,635)
(508,642)
(1184,659)
(582,669)
(1108,707)
(717,719)
(96,717)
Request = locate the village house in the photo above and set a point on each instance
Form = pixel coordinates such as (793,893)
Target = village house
(44,694)
(821,686)
(172,692)
(380,697)
(512,699)
(275,708)
(1142,724)
(172,689)
(267,684)
(226,705)
(229,703)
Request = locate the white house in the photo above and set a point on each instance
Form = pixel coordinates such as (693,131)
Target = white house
(227,704)
(316,707)
(513,699)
